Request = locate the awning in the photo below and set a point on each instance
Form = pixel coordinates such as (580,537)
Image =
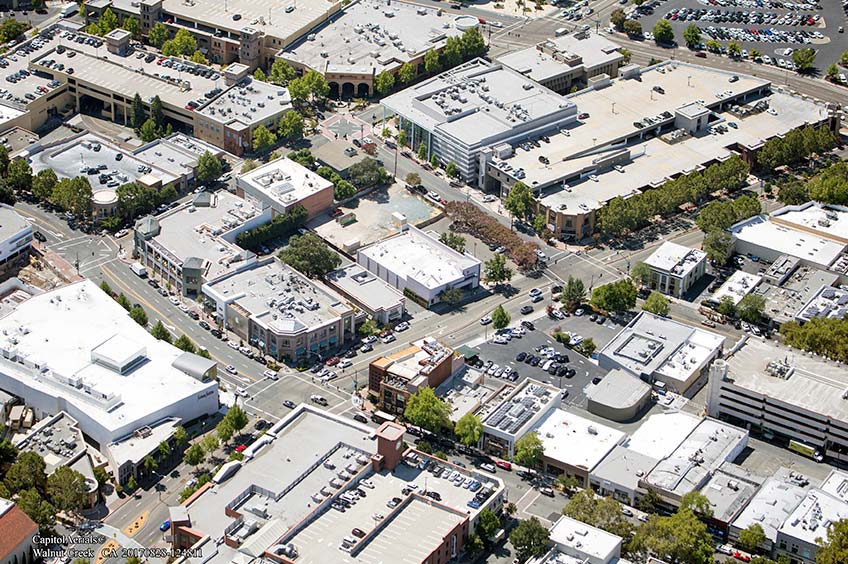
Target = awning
(466,351)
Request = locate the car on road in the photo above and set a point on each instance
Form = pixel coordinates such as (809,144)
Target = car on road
(725,549)
(165,525)
(402,326)
(231,369)
(39,236)
(344,363)
(271,374)
(122,233)
(174,300)
(388,339)
(289,403)
(217,333)
(233,345)
(332,361)
(485,320)
(366,348)
(369,339)
(240,448)
(528,324)
(320,400)
(488,467)
(503,464)
(526,309)
(163,292)
(627,512)
(643,518)
(203,325)
(535,292)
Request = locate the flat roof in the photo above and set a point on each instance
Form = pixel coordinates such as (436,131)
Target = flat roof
(577,441)
(661,433)
(560,55)
(479,102)
(282,182)
(57,439)
(812,517)
(12,223)
(623,466)
(248,104)
(420,358)
(466,392)
(365,287)
(785,301)
(739,285)
(707,447)
(514,414)
(191,231)
(115,402)
(771,505)
(415,255)
(826,220)
(675,259)
(579,539)
(177,154)
(651,344)
(813,383)
(619,389)
(371,36)
(812,248)
(13,94)
(730,489)
(828,302)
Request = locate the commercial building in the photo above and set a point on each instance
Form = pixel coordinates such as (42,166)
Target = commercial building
(619,396)
(739,285)
(425,363)
(658,349)
(575,445)
(17,532)
(474,106)
(618,474)
(565,62)
(280,311)
(675,268)
(195,243)
(513,412)
(420,265)
(573,539)
(280,502)
(827,303)
(15,240)
(780,391)
(110,374)
(787,295)
(635,132)
(372,295)
(370,37)
(283,184)
(728,491)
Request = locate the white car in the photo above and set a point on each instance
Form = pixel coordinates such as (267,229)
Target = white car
(369,339)
(535,292)
(402,326)
(231,369)
(174,300)
(388,338)
(330,376)
(500,340)
(496,24)
(558,314)
(492,369)
(488,467)
(121,233)
(485,320)
(344,363)
(271,375)
(489,198)
(232,345)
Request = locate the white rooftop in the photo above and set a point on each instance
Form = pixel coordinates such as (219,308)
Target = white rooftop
(771,505)
(828,302)
(826,220)
(282,182)
(365,287)
(814,249)
(661,433)
(580,540)
(811,519)
(249,103)
(561,55)
(675,259)
(576,441)
(739,285)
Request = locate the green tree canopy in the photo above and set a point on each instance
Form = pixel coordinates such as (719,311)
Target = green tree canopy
(529,450)
(310,255)
(469,429)
(428,411)
(384,82)
(432,64)
(804,59)
(602,512)
(751,308)
(37,508)
(573,293)
(367,173)
(184,343)
(500,317)
(160,332)
(291,126)
(663,32)
(28,472)
(43,184)
(157,35)
(616,296)
(19,175)
(530,539)
(656,304)
(519,202)
(752,536)
(453,240)
(209,167)
(681,537)
(496,271)
(237,418)
(281,73)
(263,139)
(692,35)
(194,455)
(698,503)
(617,19)
(641,274)
(406,73)
(717,246)
(67,490)
(833,547)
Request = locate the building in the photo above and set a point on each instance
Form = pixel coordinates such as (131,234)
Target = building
(280,311)
(635,132)
(423,364)
(274,503)
(18,532)
(419,265)
(739,285)
(465,110)
(728,491)
(618,474)
(573,539)
(826,303)
(567,62)
(283,184)
(110,375)
(514,412)
(619,396)
(780,391)
(372,295)
(691,465)
(15,240)
(188,246)
(675,268)
(371,37)
(575,445)
(661,350)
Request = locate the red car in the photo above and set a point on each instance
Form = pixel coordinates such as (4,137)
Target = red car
(240,448)
(332,361)
(503,464)
(743,557)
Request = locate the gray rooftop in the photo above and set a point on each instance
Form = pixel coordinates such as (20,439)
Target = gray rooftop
(828,302)
(11,223)
(561,55)
(249,103)
(57,439)
(365,287)
(619,389)
(624,466)
(730,489)
(784,302)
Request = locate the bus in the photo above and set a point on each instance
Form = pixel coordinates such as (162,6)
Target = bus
(806,450)
(380,417)
(68,10)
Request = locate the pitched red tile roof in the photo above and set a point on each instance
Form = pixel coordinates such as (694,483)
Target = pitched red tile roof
(15,526)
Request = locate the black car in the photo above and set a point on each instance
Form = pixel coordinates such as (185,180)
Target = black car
(520,356)
(556,289)
(528,359)
(204,325)
(261,424)
(350,354)
(535,361)
(289,403)
(216,333)
(261,360)
(39,236)
(528,325)
(526,309)
(601,320)
(194,315)
(153,283)
(163,292)
(596,380)
(317,368)
(360,417)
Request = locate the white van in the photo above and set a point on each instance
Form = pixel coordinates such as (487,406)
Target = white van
(561,31)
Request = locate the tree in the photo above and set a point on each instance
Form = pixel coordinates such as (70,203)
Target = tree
(641,273)
(649,502)
(500,318)
(406,73)
(310,88)
(656,304)
(43,184)
(198,58)
(26,473)
(4,160)
(474,544)
(281,73)
(149,463)
(263,139)
(209,167)
(384,82)
(453,240)
(472,43)
(259,75)
(751,307)
(137,113)
(157,113)
(451,296)
(617,296)
(697,503)
(692,35)
(194,456)
(184,343)
(804,59)
(428,411)
(67,490)
(617,19)
(756,53)
(124,301)
(160,332)
(184,42)
(833,547)
(602,512)
(367,173)
(237,418)
(342,190)
(726,306)
(422,151)
(451,170)
(529,450)
(8,452)
(38,509)
(210,443)
(831,185)
(573,293)
(452,53)
(11,29)
(401,136)
(149,131)
(413,179)
(734,49)
(225,430)
(567,482)
(310,255)
(633,28)
(291,126)
(752,536)
(495,270)
(681,537)
(663,33)
(469,429)
(108,21)
(530,539)
(793,192)
(157,35)
(19,175)
(432,65)
(713,46)
(717,246)
(132,25)
(487,525)
(519,202)
(132,484)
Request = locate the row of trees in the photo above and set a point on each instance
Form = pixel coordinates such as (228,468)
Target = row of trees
(290,128)
(149,127)
(620,216)
(823,336)
(282,225)
(795,146)
(311,88)
(136,312)
(717,216)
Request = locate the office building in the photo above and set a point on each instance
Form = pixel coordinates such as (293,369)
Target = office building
(787,296)
(18,533)
(15,239)
(425,363)
(576,542)
(736,287)
(280,311)
(419,265)
(675,268)
(286,492)
(187,246)
(283,184)
(371,294)
(110,375)
(474,106)
(661,350)
(619,396)
(568,61)
(728,492)
(514,412)
(780,391)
